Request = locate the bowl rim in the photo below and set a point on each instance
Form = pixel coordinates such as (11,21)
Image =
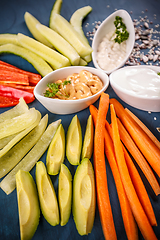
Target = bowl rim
(112,83)
(72,100)
(102,25)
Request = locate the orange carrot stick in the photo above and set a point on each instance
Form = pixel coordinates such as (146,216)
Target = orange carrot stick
(138,157)
(144,127)
(137,181)
(127,215)
(103,200)
(138,211)
(140,189)
(143,142)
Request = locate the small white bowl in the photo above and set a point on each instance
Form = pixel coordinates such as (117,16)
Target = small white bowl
(59,106)
(145,103)
(107,26)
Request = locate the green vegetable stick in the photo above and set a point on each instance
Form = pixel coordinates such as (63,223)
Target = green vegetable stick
(15,154)
(19,109)
(8,184)
(4,141)
(8,38)
(17,124)
(20,135)
(38,63)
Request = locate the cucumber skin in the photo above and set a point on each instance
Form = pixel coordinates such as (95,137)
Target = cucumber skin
(31,23)
(38,63)
(55,59)
(8,38)
(77,18)
(8,184)
(55,9)
(66,30)
(60,44)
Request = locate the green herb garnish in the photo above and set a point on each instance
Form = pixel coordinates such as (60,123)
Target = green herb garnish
(121,31)
(158,73)
(54,88)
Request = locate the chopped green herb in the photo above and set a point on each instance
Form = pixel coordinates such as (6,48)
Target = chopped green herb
(121,31)
(158,73)
(66,82)
(53,89)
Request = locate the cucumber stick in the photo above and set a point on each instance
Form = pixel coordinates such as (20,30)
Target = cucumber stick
(17,124)
(31,23)
(8,184)
(55,9)
(20,135)
(82,62)
(59,43)
(4,141)
(8,38)
(16,153)
(77,18)
(17,110)
(38,63)
(76,21)
(66,30)
(55,59)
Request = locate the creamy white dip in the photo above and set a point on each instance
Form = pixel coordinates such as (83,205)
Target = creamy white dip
(139,81)
(110,53)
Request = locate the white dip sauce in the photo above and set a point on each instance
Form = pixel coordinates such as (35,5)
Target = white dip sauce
(110,53)
(139,81)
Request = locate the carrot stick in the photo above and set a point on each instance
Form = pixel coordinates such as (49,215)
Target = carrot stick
(144,127)
(103,200)
(127,215)
(138,157)
(137,181)
(140,189)
(138,211)
(143,142)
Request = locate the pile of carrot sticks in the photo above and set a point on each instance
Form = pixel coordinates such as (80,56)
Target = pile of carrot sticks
(126,137)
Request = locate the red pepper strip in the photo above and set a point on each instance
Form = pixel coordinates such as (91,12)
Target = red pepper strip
(19,86)
(7,101)
(34,78)
(13,77)
(10,96)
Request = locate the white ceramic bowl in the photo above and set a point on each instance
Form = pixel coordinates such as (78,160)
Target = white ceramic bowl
(107,26)
(141,102)
(59,106)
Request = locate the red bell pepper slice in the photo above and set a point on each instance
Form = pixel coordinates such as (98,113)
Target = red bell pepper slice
(33,78)
(10,96)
